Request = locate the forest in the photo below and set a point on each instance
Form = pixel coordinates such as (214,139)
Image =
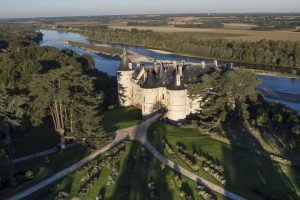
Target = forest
(45,86)
(267,54)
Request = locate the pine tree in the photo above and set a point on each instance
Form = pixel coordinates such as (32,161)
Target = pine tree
(68,96)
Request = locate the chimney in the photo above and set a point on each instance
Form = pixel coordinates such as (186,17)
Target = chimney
(216,63)
(179,70)
(138,65)
(203,64)
(178,81)
(174,64)
(130,65)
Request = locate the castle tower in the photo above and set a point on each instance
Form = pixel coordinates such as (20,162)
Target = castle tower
(177,94)
(124,75)
(149,95)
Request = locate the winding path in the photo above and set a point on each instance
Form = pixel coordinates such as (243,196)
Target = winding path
(138,133)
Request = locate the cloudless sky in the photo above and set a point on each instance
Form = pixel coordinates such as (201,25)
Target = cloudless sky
(49,8)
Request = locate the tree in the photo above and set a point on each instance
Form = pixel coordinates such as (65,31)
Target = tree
(224,93)
(67,96)
(12,111)
(12,107)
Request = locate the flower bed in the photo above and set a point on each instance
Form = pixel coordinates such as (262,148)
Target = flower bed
(167,146)
(153,193)
(214,173)
(188,159)
(183,194)
(110,160)
(207,159)
(204,193)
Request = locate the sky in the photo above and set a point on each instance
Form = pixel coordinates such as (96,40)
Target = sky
(52,8)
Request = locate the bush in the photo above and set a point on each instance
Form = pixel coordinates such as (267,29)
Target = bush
(29,174)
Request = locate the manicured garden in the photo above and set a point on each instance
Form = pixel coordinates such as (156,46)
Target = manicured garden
(126,172)
(245,173)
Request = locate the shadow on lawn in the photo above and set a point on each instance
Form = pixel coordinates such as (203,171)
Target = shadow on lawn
(117,118)
(253,176)
(139,169)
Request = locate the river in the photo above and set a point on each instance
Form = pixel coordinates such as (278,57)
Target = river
(54,38)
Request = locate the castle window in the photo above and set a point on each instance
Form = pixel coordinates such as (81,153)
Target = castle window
(163,96)
(144,99)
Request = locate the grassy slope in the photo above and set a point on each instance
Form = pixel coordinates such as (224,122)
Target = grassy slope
(121,118)
(138,179)
(243,171)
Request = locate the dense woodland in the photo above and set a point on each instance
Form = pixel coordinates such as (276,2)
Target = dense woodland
(43,86)
(268,54)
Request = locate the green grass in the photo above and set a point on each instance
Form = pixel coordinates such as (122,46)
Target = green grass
(244,171)
(41,169)
(137,178)
(121,118)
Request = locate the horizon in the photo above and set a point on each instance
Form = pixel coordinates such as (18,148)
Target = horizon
(149,14)
(15,9)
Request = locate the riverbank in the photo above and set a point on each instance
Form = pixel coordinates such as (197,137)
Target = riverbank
(160,51)
(260,69)
(109,52)
(273,74)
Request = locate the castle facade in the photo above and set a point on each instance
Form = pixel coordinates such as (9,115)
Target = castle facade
(162,87)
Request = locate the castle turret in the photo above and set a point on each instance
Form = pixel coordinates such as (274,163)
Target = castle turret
(177,93)
(124,74)
(149,95)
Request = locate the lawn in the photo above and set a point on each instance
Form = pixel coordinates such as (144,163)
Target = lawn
(43,167)
(247,174)
(121,118)
(131,183)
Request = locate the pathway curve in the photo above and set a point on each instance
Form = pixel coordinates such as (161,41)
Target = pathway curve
(138,133)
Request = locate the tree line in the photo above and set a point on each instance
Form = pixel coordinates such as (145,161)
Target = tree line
(265,52)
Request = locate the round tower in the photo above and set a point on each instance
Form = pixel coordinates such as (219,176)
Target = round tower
(149,95)
(124,75)
(177,94)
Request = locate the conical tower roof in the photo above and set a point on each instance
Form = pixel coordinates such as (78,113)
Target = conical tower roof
(124,62)
(150,82)
(173,85)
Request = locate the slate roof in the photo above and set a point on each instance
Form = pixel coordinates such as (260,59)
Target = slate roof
(174,86)
(150,82)
(124,62)
(166,77)
(136,72)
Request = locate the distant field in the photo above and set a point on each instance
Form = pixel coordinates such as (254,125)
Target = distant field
(225,33)
(240,26)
